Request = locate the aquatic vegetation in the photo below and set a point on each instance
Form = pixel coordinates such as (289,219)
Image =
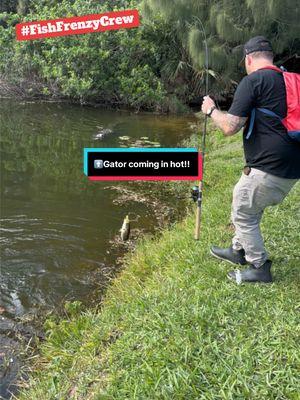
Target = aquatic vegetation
(124,137)
(141,142)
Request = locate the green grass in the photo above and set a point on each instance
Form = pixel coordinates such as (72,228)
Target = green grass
(172,326)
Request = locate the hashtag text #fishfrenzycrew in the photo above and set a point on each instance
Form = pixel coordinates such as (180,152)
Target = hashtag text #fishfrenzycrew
(77,25)
(61,26)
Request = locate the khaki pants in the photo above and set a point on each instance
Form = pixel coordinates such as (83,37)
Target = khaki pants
(251,195)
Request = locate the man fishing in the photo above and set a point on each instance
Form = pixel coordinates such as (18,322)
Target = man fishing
(272,157)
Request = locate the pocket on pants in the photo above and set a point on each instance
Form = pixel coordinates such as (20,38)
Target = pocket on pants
(244,201)
(251,195)
(266,196)
(241,196)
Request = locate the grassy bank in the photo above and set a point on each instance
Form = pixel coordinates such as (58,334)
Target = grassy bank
(173,327)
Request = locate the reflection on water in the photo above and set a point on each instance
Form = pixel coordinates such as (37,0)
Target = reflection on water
(55,224)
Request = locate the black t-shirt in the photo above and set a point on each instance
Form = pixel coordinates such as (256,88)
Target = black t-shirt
(269,147)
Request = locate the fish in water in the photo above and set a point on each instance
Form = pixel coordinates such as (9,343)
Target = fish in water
(102,133)
(125,230)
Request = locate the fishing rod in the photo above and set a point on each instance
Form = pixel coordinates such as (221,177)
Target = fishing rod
(197,190)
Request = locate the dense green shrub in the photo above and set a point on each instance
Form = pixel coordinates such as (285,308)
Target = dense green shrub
(122,67)
(228,24)
(158,66)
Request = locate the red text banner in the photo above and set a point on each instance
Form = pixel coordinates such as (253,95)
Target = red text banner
(78,25)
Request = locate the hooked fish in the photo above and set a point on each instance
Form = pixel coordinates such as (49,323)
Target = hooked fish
(125,230)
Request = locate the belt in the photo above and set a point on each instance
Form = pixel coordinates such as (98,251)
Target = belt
(247,170)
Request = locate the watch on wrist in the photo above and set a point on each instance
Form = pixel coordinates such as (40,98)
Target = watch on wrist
(210,111)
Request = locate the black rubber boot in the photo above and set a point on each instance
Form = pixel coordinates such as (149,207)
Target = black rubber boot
(229,254)
(252,274)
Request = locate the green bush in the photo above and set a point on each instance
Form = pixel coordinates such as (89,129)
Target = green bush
(122,67)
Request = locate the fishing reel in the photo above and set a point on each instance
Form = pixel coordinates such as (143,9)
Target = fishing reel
(195,193)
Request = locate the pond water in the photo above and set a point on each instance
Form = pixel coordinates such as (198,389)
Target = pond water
(58,230)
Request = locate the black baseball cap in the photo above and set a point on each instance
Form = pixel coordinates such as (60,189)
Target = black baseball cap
(257,43)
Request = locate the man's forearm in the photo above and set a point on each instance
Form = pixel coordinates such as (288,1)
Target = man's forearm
(228,123)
